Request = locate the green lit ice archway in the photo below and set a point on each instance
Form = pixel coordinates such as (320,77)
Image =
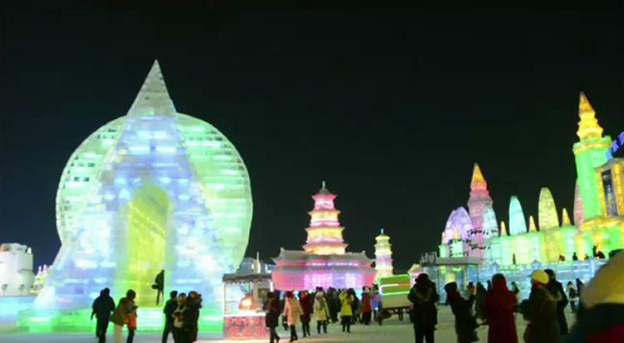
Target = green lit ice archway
(152,190)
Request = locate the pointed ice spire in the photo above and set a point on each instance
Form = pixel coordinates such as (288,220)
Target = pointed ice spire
(547,210)
(153,98)
(503,229)
(478,181)
(532,226)
(588,125)
(517,222)
(565,218)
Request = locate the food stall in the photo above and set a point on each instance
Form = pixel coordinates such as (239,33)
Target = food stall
(243,316)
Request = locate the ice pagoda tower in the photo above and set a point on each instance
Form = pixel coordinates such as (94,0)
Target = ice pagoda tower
(325,232)
(324,261)
(150,191)
(383,255)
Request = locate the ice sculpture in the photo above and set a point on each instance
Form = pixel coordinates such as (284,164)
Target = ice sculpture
(383,255)
(547,210)
(478,201)
(150,191)
(458,226)
(325,231)
(517,222)
(532,226)
(590,152)
(578,205)
(490,227)
(565,218)
(324,261)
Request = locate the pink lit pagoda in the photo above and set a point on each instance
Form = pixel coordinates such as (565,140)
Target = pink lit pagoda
(324,261)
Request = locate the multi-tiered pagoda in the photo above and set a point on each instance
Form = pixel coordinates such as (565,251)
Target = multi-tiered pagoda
(324,261)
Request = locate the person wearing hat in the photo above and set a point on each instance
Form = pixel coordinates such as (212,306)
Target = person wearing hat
(541,312)
(424,313)
(602,320)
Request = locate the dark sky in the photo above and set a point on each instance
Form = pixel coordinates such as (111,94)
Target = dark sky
(391,106)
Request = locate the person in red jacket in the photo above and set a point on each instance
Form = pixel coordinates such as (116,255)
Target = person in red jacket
(498,309)
(366,306)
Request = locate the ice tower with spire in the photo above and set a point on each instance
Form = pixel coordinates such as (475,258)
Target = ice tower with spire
(477,203)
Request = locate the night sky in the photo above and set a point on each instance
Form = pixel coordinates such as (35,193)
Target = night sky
(390,106)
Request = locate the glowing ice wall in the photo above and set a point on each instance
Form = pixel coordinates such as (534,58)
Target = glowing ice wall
(325,231)
(517,222)
(153,190)
(578,206)
(547,210)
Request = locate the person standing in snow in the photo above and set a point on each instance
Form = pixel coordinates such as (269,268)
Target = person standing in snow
(465,322)
(499,309)
(292,311)
(541,312)
(424,314)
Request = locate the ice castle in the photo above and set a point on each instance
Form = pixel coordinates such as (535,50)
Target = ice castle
(150,191)
(474,247)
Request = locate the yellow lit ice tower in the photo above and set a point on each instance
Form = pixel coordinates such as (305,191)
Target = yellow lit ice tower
(150,191)
(600,186)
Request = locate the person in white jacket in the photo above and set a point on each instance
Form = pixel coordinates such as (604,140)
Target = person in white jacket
(292,311)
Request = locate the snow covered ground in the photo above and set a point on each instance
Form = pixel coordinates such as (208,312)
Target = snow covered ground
(393,331)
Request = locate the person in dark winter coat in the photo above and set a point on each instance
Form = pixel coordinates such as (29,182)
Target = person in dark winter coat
(170,306)
(602,320)
(191,317)
(479,298)
(556,289)
(541,312)
(498,309)
(424,314)
(305,300)
(272,308)
(103,306)
(333,304)
(465,322)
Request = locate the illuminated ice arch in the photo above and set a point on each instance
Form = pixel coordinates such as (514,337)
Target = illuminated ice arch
(153,190)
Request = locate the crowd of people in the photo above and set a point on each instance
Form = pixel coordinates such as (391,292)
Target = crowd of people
(324,307)
(181,314)
(599,308)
